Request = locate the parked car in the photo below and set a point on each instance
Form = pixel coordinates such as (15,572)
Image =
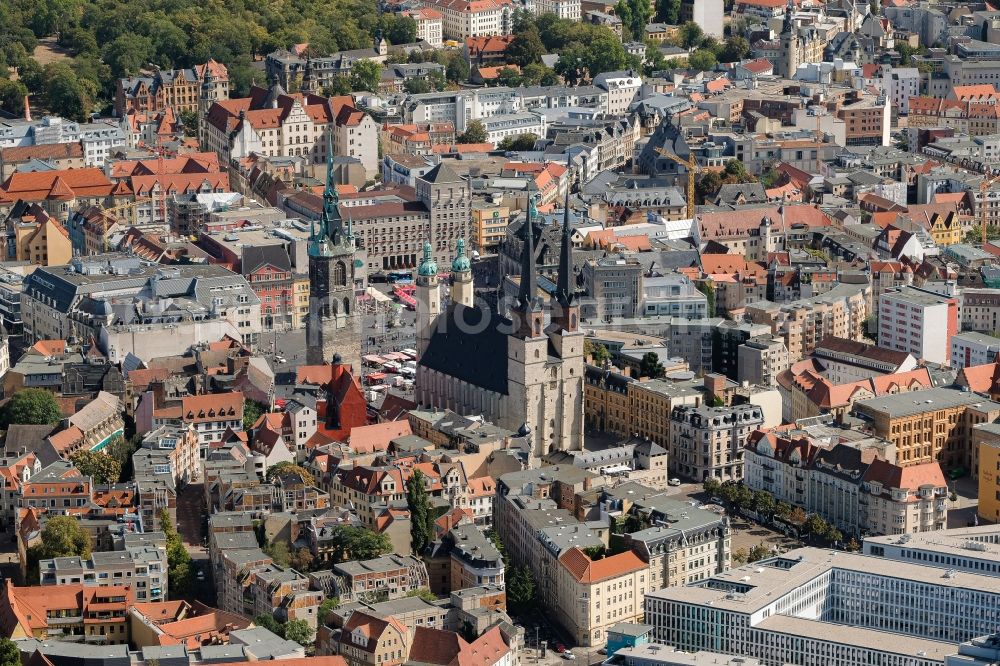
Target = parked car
(568,655)
(674,482)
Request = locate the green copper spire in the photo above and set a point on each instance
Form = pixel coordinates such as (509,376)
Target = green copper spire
(461,263)
(330,228)
(428,267)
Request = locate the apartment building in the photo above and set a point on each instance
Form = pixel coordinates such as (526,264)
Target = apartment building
(72,612)
(848,360)
(980,310)
(760,360)
(58,486)
(803,607)
(973,348)
(209,415)
(802,324)
(934,425)
(82,292)
(850,485)
(429,24)
(918,322)
(594,595)
(391,576)
(178,89)
(460,20)
(283,594)
(986,439)
(142,567)
(707,442)
(622,88)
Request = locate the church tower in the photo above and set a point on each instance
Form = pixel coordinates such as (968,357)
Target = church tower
(567,340)
(790,41)
(528,376)
(428,296)
(207,96)
(462,292)
(333,326)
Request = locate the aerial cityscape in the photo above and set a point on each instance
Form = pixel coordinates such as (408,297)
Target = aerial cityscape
(499,333)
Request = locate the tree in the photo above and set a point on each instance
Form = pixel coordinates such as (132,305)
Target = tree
(597,352)
(708,288)
(764,503)
(520,589)
(691,34)
(65,93)
(100,466)
(340,85)
(702,60)
(816,526)
(252,410)
(797,516)
(737,173)
(10,655)
(302,560)
(668,11)
(365,75)
(526,48)
(423,593)
(735,49)
(604,54)
(64,537)
(278,551)
(784,509)
(421,517)
(650,366)
(327,607)
(707,186)
(639,13)
(759,552)
(509,77)
(711,486)
(436,80)
(475,132)
(285,467)
(180,573)
(300,632)
(520,142)
(399,29)
(357,543)
(12,96)
(834,535)
(572,63)
(190,119)
(537,74)
(595,552)
(853,546)
(268,622)
(740,557)
(742,496)
(457,68)
(128,54)
(31,407)
(416,86)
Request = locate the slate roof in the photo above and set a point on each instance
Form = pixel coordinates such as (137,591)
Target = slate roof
(470,349)
(258,256)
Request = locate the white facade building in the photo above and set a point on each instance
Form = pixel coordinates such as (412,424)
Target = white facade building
(899,85)
(973,349)
(622,87)
(564,9)
(500,127)
(917,321)
(817,606)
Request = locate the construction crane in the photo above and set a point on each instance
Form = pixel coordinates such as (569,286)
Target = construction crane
(692,170)
(109,215)
(984,189)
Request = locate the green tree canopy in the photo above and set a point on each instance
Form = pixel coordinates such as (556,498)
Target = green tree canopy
(526,47)
(457,69)
(421,517)
(358,543)
(252,410)
(10,655)
(365,75)
(63,536)
(521,589)
(285,467)
(100,466)
(300,632)
(475,132)
(520,142)
(31,407)
(12,96)
(702,60)
(650,366)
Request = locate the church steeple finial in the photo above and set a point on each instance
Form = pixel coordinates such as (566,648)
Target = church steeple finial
(527,295)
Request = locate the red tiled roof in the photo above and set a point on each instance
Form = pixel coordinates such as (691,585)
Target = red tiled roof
(585,570)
